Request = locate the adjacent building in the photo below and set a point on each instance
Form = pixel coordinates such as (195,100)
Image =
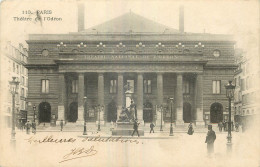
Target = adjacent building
(154,61)
(13,61)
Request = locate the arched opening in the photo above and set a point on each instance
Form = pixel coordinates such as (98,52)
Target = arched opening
(73,112)
(148,112)
(216,113)
(44,112)
(187,112)
(112,111)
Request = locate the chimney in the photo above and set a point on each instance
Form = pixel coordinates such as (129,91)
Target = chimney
(81,16)
(181,19)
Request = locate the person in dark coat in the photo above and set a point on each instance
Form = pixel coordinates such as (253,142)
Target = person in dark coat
(237,126)
(190,129)
(220,126)
(151,127)
(28,127)
(61,125)
(210,139)
(33,127)
(136,128)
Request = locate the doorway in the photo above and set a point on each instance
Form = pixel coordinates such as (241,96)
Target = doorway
(44,112)
(73,112)
(216,113)
(187,117)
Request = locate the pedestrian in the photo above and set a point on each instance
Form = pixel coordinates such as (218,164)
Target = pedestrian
(33,127)
(220,126)
(136,124)
(61,125)
(237,126)
(28,127)
(210,139)
(190,129)
(151,127)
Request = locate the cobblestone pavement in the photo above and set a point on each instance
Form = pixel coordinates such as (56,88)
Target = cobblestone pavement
(158,149)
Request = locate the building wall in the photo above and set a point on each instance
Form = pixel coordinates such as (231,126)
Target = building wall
(13,60)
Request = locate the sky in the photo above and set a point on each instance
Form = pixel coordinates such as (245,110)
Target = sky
(240,18)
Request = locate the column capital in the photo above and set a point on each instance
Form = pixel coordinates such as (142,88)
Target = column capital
(120,73)
(179,73)
(100,73)
(140,73)
(159,73)
(80,73)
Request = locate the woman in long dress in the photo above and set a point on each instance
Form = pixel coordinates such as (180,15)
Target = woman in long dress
(190,130)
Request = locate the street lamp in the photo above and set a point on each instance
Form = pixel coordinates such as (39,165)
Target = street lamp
(99,109)
(34,109)
(34,124)
(85,125)
(13,88)
(171,128)
(230,94)
(161,107)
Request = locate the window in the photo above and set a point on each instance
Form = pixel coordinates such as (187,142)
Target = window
(22,82)
(131,85)
(113,86)
(45,52)
(74,86)
(22,92)
(45,86)
(13,67)
(17,69)
(216,87)
(186,87)
(216,53)
(147,86)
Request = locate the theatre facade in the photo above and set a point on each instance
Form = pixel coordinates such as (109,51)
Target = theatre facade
(71,75)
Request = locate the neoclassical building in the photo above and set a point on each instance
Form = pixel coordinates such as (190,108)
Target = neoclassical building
(158,62)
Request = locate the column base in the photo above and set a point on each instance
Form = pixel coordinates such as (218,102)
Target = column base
(80,122)
(200,123)
(158,123)
(179,123)
(101,122)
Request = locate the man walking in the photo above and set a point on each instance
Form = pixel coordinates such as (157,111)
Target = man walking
(220,126)
(151,127)
(210,139)
(61,125)
(136,128)
(28,127)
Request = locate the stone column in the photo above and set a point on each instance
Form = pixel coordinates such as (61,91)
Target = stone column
(199,99)
(101,95)
(140,94)
(179,101)
(159,97)
(120,93)
(62,96)
(81,91)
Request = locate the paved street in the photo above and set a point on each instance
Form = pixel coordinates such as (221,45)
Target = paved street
(158,149)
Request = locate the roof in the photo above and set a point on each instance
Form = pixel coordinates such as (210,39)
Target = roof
(130,22)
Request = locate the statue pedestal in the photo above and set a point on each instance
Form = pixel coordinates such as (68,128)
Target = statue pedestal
(126,129)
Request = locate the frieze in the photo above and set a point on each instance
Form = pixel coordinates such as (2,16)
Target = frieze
(158,57)
(109,67)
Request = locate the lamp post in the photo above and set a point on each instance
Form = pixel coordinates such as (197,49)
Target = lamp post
(230,94)
(85,125)
(171,128)
(34,124)
(99,108)
(161,107)
(34,109)
(14,87)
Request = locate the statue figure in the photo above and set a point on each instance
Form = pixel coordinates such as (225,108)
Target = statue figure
(128,88)
(133,111)
(123,117)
